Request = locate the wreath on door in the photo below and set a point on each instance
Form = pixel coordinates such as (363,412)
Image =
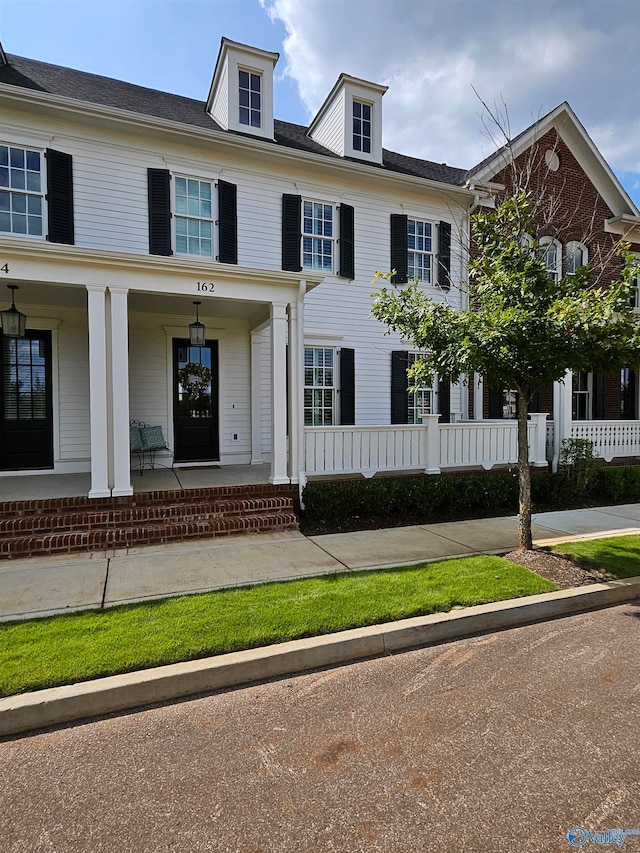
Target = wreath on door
(194,378)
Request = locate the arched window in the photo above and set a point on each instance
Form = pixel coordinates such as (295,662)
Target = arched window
(577,255)
(551,254)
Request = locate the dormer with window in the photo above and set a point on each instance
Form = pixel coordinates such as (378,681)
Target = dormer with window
(349,122)
(241,93)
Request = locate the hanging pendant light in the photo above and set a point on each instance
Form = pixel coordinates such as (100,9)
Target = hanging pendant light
(13,322)
(197,331)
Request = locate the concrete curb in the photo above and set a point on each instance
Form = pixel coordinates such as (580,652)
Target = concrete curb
(55,706)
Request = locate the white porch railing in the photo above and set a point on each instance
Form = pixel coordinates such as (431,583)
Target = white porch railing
(429,447)
(610,438)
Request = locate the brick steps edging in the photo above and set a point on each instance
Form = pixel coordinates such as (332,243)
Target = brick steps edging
(146,534)
(78,520)
(152,498)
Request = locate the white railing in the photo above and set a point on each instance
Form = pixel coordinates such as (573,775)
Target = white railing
(428,447)
(350,450)
(610,438)
(550,437)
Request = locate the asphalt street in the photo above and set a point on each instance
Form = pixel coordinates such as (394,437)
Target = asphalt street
(503,742)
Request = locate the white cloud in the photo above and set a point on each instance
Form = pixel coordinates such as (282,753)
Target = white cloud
(432,54)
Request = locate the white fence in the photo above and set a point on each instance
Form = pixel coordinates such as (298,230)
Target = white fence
(610,438)
(429,447)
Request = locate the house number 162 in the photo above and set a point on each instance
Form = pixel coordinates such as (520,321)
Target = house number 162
(205,286)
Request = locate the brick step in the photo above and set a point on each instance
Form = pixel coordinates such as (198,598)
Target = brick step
(77,520)
(50,506)
(101,538)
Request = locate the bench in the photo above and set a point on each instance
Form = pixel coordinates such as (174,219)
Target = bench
(145,441)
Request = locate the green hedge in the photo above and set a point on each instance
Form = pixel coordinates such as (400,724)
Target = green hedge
(448,495)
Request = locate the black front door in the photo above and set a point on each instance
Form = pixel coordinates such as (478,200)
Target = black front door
(26,411)
(195,401)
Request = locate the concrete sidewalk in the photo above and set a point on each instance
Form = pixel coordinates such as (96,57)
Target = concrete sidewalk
(43,586)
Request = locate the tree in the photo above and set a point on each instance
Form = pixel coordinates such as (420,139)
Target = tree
(523,329)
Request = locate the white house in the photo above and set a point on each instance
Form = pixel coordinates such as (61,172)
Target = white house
(125,210)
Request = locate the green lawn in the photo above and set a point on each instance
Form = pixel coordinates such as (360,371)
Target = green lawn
(618,555)
(74,647)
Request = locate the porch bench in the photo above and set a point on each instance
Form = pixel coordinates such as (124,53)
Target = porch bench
(145,441)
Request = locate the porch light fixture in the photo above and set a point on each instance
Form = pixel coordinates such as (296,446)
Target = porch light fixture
(13,322)
(197,331)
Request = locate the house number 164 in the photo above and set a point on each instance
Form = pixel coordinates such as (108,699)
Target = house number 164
(205,286)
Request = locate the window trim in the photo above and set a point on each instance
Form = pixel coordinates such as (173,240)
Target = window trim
(586,394)
(304,235)
(556,273)
(569,250)
(432,254)
(333,387)
(175,215)
(42,194)
(362,137)
(413,411)
(245,69)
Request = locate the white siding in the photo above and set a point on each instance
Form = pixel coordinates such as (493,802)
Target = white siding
(220,108)
(330,132)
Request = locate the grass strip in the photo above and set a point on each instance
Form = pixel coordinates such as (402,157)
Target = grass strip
(618,555)
(73,647)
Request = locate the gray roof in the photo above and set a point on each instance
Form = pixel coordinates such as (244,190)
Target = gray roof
(94,89)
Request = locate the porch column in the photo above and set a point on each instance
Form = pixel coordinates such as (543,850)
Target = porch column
(256,407)
(562,399)
(98,410)
(296,389)
(278,394)
(121,484)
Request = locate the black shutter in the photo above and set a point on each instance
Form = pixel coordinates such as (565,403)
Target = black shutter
(629,397)
(444,255)
(227,223)
(399,253)
(496,403)
(598,396)
(444,402)
(399,385)
(159,212)
(347,387)
(347,242)
(60,197)
(534,402)
(291,233)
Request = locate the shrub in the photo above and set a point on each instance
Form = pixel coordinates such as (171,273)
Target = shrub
(578,459)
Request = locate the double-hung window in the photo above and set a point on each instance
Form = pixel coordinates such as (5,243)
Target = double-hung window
(420,250)
(319,386)
(193,217)
(421,400)
(581,396)
(21,192)
(361,127)
(317,236)
(250,98)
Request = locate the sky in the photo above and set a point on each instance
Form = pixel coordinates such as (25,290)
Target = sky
(440,58)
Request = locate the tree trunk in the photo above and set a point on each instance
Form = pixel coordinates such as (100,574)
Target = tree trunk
(524,474)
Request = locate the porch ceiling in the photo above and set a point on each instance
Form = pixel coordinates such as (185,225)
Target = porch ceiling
(75,296)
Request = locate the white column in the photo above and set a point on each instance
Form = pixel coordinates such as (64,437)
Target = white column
(278,394)
(121,483)
(296,389)
(562,399)
(256,402)
(478,395)
(98,409)
(538,447)
(433,443)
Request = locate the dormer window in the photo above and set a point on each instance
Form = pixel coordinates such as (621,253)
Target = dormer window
(241,93)
(349,122)
(250,98)
(361,127)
